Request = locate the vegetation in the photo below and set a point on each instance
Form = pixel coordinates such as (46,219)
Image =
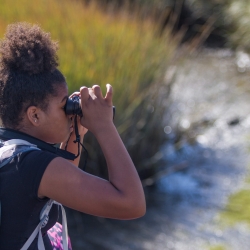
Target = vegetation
(239,12)
(228,19)
(217,247)
(98,47)
(232,19)
(238,208)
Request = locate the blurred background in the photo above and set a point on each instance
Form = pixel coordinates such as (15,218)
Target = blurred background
(180,72)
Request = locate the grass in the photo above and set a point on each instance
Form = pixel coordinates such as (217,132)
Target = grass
(238,208)
(237,211)
(239,12)
(98,47)
(232,17)
(217,247)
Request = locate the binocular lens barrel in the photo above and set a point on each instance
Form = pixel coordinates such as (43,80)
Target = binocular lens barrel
(73,107)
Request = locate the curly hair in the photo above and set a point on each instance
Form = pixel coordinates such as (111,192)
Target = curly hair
(28,71)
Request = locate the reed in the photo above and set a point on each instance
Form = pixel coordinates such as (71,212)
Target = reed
(231,21)
(99,47)
(239,15)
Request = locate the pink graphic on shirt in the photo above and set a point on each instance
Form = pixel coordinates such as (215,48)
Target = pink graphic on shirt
(56,239)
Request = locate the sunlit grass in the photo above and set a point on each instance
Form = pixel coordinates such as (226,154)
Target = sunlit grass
(239,13)
(217,247)
(237,209)
(115,48)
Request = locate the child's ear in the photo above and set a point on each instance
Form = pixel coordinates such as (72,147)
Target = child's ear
(33,114)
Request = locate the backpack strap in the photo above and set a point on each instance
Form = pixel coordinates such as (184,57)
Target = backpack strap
(44,215)
(11,146)
(44,218)
(64,227)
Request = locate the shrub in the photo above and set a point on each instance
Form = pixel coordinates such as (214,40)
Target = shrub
(98,47)
(239,14)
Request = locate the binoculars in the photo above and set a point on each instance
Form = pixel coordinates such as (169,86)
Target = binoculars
(73,106)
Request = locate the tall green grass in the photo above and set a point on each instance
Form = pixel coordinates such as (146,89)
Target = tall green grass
(239,14)
(98,47)
(232,19)
(238,207)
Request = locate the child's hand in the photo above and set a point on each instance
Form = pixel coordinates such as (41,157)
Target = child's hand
(97,110)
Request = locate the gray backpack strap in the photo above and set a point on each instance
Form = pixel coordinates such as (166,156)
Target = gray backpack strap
(14,147)
(25,146)
(64,227)
(11,146)
(44,218)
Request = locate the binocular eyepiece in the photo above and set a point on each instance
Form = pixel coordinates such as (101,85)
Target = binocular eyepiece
(73,107)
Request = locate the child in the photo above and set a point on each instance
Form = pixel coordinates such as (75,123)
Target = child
(33,95)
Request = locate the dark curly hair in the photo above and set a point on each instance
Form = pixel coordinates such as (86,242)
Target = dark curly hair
(28,71)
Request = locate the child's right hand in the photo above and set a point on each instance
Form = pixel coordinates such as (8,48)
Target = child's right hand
(97,110)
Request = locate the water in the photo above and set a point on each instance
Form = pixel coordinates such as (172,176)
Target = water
(211,105)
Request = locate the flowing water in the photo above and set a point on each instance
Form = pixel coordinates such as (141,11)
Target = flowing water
(211,105)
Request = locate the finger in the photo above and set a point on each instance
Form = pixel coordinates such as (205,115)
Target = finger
(74,94)
(109,94)
(97,91)
(84,94)
(91,93)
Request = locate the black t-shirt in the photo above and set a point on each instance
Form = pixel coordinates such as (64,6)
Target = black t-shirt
(20,215)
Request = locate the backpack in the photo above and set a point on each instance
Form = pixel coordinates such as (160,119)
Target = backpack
(9,149)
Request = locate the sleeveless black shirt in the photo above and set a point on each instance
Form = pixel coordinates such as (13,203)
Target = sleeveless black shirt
(20,205)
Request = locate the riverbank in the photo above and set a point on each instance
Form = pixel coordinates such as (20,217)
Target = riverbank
(211,103)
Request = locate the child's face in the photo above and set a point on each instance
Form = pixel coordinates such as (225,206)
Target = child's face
(56,125)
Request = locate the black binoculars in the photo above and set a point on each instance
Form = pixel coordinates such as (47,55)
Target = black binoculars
(73,107)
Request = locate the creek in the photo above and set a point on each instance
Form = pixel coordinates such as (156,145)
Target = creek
(210,104)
